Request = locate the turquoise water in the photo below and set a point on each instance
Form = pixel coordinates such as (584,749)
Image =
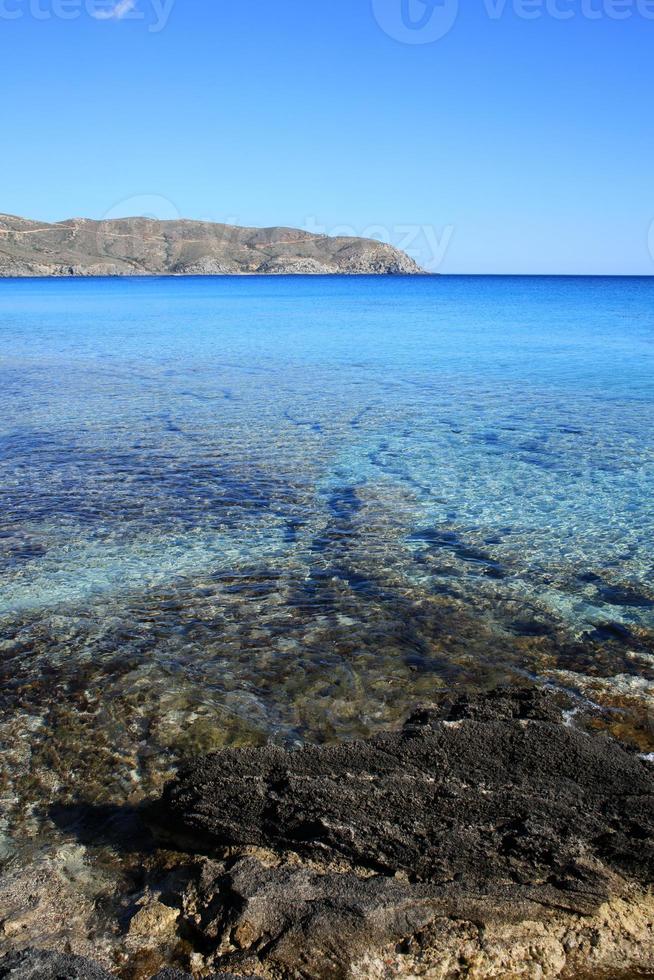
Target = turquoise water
(242,508)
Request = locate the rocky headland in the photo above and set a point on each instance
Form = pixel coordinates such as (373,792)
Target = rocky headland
(147,247)
(489,837)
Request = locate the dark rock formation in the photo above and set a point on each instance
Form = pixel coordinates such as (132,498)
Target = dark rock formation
(35,964)
(309,923)
(483,837)
(493,790)
(172,974)
(142,246)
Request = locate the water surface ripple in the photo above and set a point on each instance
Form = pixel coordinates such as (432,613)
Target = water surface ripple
(290,508)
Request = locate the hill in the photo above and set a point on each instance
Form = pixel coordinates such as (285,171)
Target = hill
(145,246)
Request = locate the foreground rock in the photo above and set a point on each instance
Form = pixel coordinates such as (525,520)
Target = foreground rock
(142,246)
(488,839)
(35,964)
(498,791)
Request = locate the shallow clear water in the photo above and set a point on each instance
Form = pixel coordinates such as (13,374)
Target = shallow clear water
(235,509)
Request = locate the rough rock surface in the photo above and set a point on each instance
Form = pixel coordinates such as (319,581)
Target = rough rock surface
(298,923)
(32,964)
(143,246)
(485,839)
(305,922)
(494,790)
(50,901)
(172,974)
(36,964)
(488,838)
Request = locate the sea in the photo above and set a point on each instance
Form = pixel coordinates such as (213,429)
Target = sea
(243,509)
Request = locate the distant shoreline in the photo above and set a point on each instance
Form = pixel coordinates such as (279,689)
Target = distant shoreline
(143,246)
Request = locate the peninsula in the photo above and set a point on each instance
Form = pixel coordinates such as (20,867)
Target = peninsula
(147,247)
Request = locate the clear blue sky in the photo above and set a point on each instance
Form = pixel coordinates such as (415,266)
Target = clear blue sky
(524,145)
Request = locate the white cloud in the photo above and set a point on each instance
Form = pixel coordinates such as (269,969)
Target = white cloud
(116,12)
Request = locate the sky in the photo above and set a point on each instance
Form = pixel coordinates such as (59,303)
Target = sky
(483,136)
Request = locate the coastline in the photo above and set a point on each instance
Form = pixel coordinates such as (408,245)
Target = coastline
(487,837)
(206,275)
(143,246)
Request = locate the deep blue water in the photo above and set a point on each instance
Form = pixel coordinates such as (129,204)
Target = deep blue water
(293,506)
